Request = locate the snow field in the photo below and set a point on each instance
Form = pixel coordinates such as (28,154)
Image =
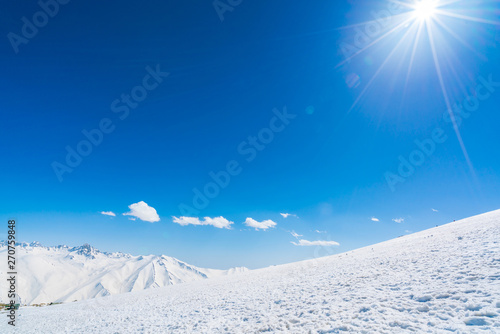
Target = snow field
(442,280)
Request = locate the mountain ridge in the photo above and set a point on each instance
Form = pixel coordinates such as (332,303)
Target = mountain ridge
(49,274)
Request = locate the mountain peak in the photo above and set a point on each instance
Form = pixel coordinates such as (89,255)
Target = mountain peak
(86,250)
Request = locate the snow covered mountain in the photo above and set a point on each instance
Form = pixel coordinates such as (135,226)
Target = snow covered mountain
(64,274)
(442,280)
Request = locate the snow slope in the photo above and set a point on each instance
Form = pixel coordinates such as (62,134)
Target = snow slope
(445,279)
(64,274)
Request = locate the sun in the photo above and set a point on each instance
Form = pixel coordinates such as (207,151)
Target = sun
(424,9)
(438,19)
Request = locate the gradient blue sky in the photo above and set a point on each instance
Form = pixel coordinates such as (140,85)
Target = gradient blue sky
(327,166)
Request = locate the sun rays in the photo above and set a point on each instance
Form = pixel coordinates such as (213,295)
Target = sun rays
(435,22)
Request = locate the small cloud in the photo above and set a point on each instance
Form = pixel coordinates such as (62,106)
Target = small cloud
(434,210)
(295,235)
(143,211)
(108,213)
(286,215)
(132,218)
(375,219)
(264,225)
(317,231)
(303,242)
(219,222)
(408,231)
(398,220)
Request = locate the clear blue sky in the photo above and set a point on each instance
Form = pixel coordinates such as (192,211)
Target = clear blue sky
(329,165)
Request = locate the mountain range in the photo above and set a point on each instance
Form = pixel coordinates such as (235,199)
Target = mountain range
(64,274)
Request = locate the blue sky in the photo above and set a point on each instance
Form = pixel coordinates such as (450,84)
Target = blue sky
(352,118)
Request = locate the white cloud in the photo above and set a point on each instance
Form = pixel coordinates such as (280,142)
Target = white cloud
(434,210)
(398,220)
(263,225)
(286,215)
(375,219)
(108,213)
(219,222)
(303,242)
(295,235)
(143,211)
(317,231)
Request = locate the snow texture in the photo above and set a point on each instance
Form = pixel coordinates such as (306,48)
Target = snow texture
(442,280)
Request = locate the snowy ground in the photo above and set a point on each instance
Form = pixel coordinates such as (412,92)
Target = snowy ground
(442,280)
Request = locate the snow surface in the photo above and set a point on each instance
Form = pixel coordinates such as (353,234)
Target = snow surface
(64,274)
(445,279)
